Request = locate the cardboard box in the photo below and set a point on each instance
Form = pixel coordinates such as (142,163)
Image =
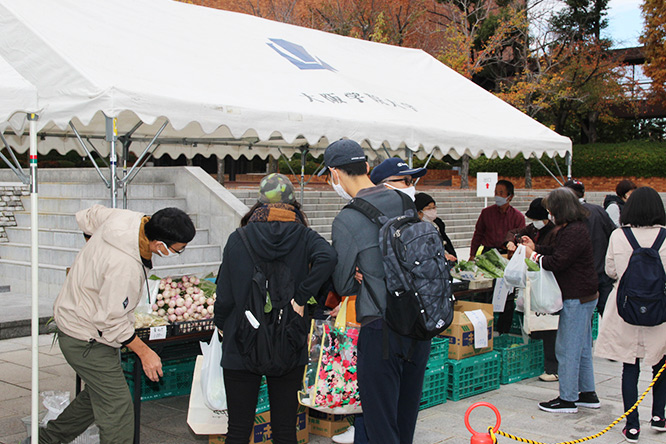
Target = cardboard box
(461,332)
(325,424)
(261,432)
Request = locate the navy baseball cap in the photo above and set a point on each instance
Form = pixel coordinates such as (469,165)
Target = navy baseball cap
(394,167)
(342,152)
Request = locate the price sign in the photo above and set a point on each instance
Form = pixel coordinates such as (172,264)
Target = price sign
(158,333)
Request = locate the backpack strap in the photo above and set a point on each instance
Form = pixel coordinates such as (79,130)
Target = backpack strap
(253,255)
(659,240)
(631,238)
(366,208)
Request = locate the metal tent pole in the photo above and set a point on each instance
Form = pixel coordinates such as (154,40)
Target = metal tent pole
(304,152)
(112,138)
(34,259)
(567,158)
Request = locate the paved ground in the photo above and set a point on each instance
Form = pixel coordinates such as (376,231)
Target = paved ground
(164,421)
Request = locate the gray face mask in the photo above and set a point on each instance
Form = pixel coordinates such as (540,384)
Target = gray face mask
(499,200)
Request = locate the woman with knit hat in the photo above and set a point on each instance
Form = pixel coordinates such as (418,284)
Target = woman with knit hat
(274,230)
(427,211)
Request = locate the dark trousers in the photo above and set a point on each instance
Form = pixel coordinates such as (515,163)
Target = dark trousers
(242,389)
(549,359)
(505,318)
(605,287)
(630,374)
(390,388)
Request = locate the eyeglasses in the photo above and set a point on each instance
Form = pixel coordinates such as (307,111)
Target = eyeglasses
(407,179)
(176,251)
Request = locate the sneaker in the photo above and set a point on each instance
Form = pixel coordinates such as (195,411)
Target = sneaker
(346,437)
(658,424)
(631,435)
(549,377)
(588,399)
(558,405)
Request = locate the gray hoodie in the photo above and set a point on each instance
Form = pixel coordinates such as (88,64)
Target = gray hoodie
(356,240)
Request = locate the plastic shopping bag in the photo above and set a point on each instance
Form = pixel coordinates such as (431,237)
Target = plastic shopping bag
(545,293)
(515,272)
(330,384)
(212,380)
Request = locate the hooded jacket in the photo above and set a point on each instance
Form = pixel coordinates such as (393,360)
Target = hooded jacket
(310,258)
(106,280)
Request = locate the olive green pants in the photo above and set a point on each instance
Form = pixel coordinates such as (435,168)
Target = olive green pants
(105,400)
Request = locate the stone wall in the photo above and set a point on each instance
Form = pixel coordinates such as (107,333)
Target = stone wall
(10,201)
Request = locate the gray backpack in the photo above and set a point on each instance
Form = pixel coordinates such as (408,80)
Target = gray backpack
(418,278)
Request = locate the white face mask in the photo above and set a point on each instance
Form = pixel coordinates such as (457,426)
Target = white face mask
(338,188)
(430,215)
(410,191)
(538,224)
(499,200)
(551,218)
(169,254)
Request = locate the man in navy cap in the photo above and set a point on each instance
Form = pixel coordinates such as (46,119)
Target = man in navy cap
(396,174)
(390,388)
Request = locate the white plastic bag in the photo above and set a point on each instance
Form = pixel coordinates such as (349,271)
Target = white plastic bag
(55,402)
(515,272)
(212,379)
(545,293)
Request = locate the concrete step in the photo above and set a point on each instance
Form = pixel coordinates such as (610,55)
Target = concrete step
(72,205)
(99,190)
(66,221)
(72,238)
(64,256)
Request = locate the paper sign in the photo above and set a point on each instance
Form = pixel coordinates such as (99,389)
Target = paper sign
(485,184)
(502,289)
(480,324)
(158,332)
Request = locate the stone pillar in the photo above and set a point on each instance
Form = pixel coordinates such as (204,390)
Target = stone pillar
(220,169)
(528,174)
(464,172)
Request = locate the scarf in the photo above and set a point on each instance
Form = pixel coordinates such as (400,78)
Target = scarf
(275,212)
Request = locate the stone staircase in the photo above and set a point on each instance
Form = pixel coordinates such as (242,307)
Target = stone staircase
(459,209)
(60,239)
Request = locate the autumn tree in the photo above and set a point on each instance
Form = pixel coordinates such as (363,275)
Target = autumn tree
(654,39)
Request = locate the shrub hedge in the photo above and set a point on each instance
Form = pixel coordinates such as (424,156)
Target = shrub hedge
(636,158)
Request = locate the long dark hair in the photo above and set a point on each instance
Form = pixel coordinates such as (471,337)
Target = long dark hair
(644,208)
(297,206)
(563,204)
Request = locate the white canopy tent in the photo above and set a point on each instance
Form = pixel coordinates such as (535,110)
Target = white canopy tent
(224,80)
(187,80)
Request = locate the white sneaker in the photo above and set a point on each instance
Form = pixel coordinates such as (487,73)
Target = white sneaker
(549,377)
(346,437)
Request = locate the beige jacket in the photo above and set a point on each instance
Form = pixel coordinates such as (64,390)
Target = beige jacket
(106,281)
(618,340)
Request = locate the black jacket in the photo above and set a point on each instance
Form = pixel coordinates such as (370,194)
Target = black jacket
(308,255)
(601,226)
(448,246)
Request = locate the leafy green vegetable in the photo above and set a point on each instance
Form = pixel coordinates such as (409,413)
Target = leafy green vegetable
(531,265)
(487,267)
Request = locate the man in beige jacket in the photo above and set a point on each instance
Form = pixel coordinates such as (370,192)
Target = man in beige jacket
(94,313)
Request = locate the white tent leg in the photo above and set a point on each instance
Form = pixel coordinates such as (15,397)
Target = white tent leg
(410,157)
(34,258)
(112,138)
(567,158)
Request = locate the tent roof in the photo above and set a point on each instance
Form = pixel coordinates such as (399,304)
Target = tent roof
(17,97)
(223,76)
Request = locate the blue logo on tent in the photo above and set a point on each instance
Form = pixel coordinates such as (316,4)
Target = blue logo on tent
(298,55)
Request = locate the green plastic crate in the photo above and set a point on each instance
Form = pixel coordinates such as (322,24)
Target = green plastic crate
(518,360)
(595,324)
(434,386)
(262,400)
(439,352)
(471,376)
(177,379)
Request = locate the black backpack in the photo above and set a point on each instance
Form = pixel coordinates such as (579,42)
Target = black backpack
(418,278)
(271,336)
(641,295)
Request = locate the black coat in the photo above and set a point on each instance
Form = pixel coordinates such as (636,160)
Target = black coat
(309,256)
(448,246)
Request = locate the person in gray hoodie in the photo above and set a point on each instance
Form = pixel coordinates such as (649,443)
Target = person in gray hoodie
(390,388)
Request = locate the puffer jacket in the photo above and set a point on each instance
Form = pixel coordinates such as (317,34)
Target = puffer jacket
(105,283)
